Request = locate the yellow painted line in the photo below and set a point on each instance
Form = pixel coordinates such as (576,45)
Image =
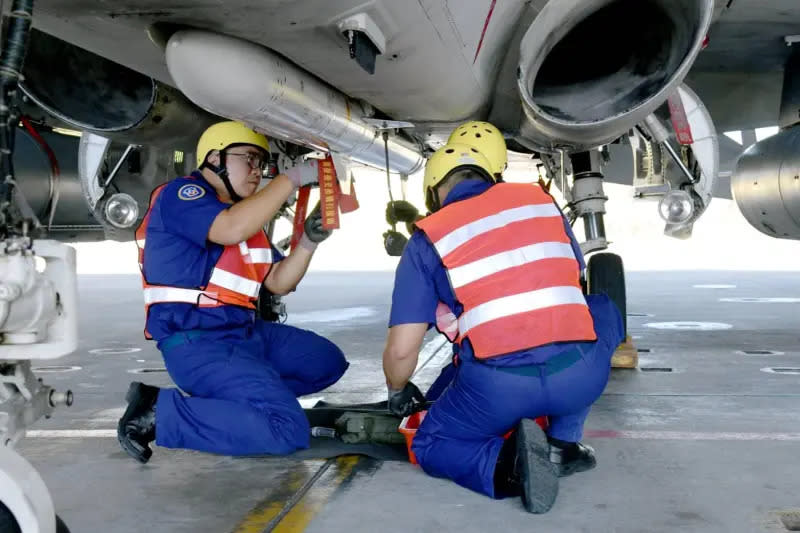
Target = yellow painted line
(286,487)
(315,499)
(299,497)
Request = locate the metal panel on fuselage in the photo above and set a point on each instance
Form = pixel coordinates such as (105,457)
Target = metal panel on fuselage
(435,67)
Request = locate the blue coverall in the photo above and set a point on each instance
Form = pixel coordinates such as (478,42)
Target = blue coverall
(479,401)
(243,374)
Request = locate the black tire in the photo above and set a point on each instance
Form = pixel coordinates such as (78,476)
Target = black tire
(606,275)
(61,527)
(8,524)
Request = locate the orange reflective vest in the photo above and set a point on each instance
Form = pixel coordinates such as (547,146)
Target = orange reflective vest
(511,265)
(235,279)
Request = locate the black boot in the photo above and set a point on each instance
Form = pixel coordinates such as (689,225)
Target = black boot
(571,457)
(137,427)
(536,476)
(507,476)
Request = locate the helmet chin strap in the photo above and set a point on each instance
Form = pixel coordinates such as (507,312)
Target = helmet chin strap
(222,172)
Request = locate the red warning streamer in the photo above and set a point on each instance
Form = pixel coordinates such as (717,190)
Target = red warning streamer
(329,194)
(300,215)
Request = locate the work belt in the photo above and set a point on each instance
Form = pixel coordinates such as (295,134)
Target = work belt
(554,365)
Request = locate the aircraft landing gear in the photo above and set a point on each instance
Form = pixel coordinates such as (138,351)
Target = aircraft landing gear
(38,320)
(605,272)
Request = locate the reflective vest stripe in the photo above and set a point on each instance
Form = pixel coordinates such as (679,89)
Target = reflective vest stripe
(559,272)
(561,323)
(465,274)
(460,236)
(234,282)
(511,237)
(261,255)
(519,303)
(153,295)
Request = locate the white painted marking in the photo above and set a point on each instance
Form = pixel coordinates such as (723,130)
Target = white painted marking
(688,435)
(768,354)
(331,315)
(762,300)
(714,286)
(785,370)
(55,369)
(636,337)
(639,315)
(71,433)
(114,351)
(141,361)
(109,414)
(697,326)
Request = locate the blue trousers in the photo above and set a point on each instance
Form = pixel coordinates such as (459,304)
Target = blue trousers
(462,433)
(243,386)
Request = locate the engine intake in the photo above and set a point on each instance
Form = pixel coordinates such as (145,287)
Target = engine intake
(587,74)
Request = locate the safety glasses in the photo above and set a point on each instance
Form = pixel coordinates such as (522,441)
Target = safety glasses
(253,160)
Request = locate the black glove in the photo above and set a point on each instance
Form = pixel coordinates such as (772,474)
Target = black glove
(394,243)
(406,401)
(400,211)
(313,226)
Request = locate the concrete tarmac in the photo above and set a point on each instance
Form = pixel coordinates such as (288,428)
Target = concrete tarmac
(702,437)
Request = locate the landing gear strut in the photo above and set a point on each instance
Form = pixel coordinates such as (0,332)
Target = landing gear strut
(605,272)
(588,200)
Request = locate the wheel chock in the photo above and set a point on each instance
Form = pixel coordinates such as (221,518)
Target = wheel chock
(626,355)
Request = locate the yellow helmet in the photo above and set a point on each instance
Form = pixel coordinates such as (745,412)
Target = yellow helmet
(444,161)
(485,138)
(223,134)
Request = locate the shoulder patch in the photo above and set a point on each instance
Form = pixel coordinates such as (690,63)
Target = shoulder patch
(191,191)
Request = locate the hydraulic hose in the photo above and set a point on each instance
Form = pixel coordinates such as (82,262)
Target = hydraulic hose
(15,45)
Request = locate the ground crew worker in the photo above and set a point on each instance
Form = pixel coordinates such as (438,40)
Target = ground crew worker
(498,255)
(489,141)
(204,256)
